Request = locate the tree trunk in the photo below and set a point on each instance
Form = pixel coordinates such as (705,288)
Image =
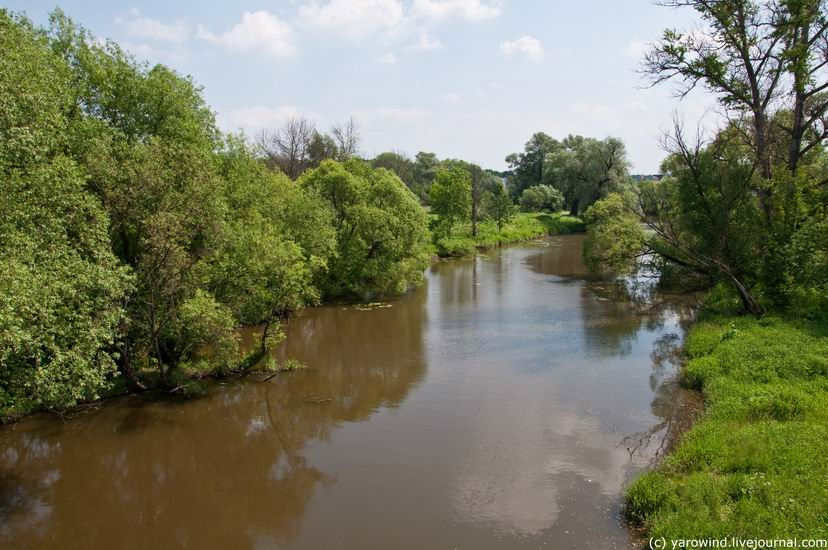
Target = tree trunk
(573,209)
(760,136)
(748,301)
(127,371)
(797,128)
(265,331)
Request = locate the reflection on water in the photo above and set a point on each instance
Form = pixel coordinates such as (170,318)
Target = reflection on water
(504,404)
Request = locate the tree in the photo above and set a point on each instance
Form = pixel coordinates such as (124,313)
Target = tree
(62,288)
(287,148)
(146,140)
(275,244)
(480,182)
(541,197)
(320,147)
(614,237)
(425,168)
(753,55)
(381,234)
(528,167)
(767,63)
(401,165)
(450,197)
(347,138)
(499,206)
(587,169)
(701,216)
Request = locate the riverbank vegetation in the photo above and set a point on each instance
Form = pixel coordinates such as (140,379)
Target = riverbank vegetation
(521,226)
(136,237)
(754,465)
(744,212)
(748,206)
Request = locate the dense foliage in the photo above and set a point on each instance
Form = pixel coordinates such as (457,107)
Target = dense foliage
(750,207)
(582,169)
(135,238)
(451,196)
(381,230)
(499,206)
(61,287)
(541,197)
(614,234)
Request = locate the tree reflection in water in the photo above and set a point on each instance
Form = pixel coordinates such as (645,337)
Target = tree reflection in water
(225,470)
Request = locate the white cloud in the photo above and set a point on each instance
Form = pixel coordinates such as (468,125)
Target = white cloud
(258,31)
(391,114)
(154,29)
(467,10)
(452,97)
(387,58)
(427,43)
(252,119)
(525,45)
(353,18)
(635,49)
(357,19)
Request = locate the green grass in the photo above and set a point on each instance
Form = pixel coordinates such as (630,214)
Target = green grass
(523,227)
(756,464)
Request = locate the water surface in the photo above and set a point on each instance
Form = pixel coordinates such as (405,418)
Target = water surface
(502,405)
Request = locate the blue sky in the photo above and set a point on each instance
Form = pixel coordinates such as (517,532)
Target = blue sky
(470,79)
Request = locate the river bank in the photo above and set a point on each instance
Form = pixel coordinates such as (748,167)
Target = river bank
(191,378)
(522,227)
(754,464)
(487,408)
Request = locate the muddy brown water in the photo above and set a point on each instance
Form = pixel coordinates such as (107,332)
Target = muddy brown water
(504,404)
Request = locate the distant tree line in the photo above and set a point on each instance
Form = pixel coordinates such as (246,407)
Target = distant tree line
(582,169)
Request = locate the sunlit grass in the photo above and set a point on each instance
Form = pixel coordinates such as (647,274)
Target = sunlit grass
(756,463)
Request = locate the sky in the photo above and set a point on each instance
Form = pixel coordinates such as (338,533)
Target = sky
(469,79)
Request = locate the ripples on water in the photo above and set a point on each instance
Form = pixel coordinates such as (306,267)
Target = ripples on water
(502,405)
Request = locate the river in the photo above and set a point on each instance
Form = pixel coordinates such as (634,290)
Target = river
(504,404)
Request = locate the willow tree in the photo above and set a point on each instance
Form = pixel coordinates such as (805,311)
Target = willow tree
(529,166)
(274,245)
(587,169)
(450,196)
(146,140)
(381,231)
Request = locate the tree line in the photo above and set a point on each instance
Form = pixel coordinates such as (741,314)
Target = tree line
(135,237)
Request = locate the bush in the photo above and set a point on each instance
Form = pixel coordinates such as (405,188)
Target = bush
(539,198)
(614,235)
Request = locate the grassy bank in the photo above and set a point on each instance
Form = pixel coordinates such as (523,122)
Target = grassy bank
(756,464)
(522,227)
